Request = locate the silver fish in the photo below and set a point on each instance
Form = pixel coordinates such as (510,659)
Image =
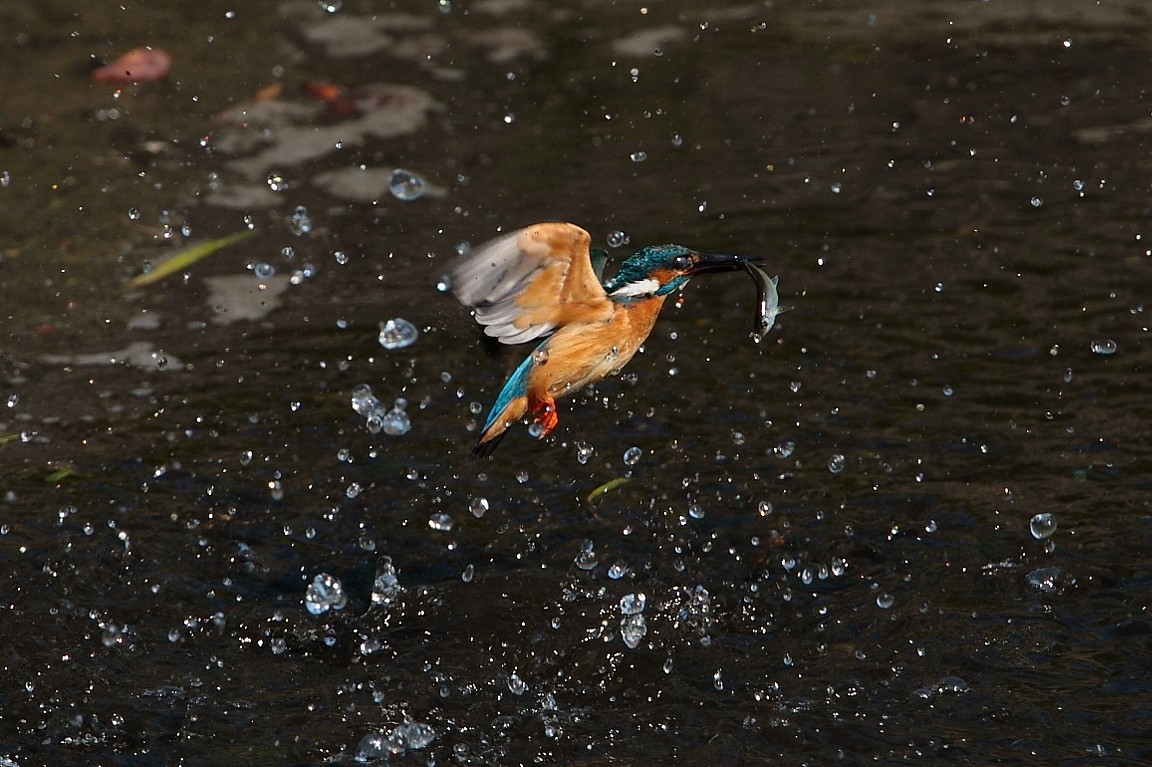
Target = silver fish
(768,300)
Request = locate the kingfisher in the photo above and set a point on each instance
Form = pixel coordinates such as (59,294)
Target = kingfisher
(545,282)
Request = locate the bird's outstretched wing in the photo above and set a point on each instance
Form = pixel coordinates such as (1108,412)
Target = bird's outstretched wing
(531,282)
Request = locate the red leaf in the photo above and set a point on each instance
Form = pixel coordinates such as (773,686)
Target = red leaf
(139,65)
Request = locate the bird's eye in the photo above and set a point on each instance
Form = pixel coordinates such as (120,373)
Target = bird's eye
(681,262)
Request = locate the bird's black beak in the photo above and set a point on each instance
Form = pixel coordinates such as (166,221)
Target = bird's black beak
(716,262)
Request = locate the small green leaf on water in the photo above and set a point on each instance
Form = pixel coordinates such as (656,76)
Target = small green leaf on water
(6,438)
(611,484)
(60,474)
(184,258)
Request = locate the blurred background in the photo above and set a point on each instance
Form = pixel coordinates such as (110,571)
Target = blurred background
(910,525)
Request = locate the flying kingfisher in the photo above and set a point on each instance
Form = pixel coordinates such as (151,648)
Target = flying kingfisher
(544,281)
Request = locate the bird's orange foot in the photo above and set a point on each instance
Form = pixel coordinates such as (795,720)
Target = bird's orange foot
(546,417)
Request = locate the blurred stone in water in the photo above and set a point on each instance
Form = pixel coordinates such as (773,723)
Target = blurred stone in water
(406,185)
(397,333)
(1042,526)
(325,593)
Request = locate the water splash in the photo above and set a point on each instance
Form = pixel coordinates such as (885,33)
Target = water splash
(397,333)
(325,593)
(1042,526)
(406,185)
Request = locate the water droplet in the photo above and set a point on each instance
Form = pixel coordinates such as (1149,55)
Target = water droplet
(784,449)
(540,356)
(397,333)
(353,490)
(5,179)
(112,635)
(324,593)
(702,206)
(633,628)
(639,156)
(951,684)
(696,511)
(406,185)
(299,221)
(836,463)
(1042,526)
(632,456)
(517,685)
(677,140)
(617,239)
(396,422)
(410,736)
(440,521)
(133,214)
(263,270)
(885,601)
(478,506)
(386,587)
(764,508)
(331,5)
(584,453)
(468,574)
(276,182)
(1103,347)
(463,248)
(341,257)
(737,437)
(633,604)
(587,559)
(13,400)
(1037,201)
(444,6)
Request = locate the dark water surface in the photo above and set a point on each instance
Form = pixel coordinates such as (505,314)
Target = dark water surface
(831,530)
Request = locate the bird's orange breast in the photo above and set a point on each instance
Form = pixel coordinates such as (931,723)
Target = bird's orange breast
(583,353)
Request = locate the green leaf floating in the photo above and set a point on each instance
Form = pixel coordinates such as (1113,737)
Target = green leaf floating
(611,484)
(182,259)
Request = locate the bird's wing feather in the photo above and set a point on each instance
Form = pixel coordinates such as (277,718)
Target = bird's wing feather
(530,282)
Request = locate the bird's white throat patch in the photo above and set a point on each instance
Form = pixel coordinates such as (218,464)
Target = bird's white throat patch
(644,287)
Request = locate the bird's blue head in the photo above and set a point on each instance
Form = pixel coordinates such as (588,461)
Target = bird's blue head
(660,269)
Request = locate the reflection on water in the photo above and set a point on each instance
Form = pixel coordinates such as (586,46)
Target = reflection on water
(910,524)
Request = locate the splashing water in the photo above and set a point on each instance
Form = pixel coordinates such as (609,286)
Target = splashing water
(1042,526)
(406,185)
(397,333)
(386,588)
(633,629)
(325,593)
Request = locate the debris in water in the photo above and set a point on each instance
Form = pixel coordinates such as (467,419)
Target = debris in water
(184,258)
(611,484)
(139,65)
